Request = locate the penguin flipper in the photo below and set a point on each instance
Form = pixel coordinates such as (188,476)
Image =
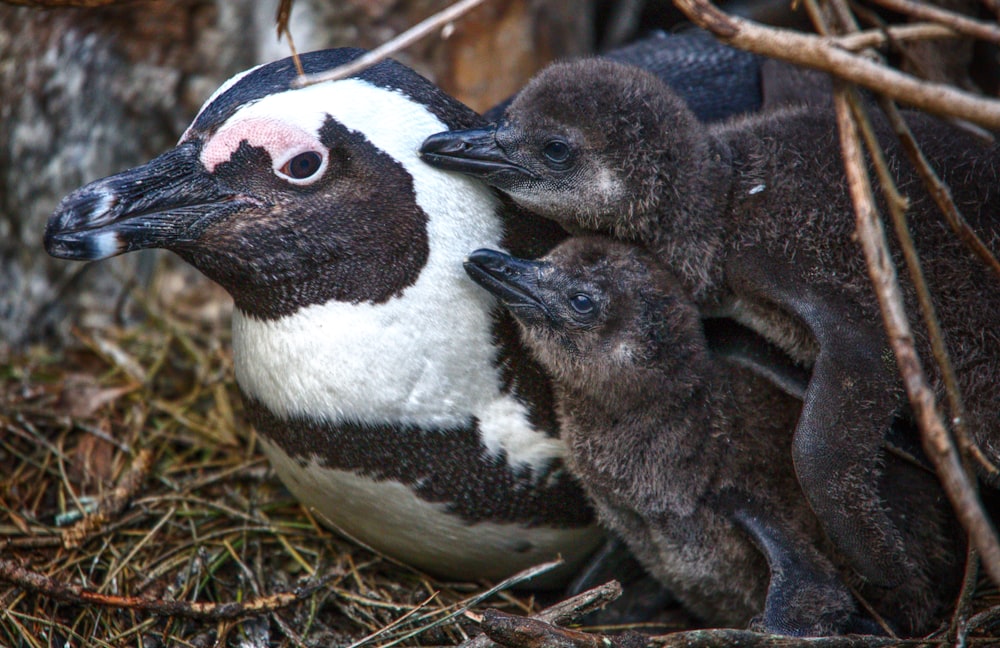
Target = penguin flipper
(805,596)
(846,414)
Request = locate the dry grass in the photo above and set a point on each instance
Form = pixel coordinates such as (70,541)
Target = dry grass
(128,470)
(209,523)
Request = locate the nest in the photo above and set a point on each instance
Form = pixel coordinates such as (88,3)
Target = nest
(135,508)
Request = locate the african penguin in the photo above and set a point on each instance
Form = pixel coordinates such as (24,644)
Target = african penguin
(391,395)
(754,217)
(688,457)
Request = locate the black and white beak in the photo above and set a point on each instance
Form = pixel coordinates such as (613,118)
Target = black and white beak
(166,203)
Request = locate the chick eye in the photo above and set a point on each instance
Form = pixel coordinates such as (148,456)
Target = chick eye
(302,166)
(556,151)
(582,304)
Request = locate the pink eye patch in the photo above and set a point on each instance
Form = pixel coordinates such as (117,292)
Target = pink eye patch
(281,140)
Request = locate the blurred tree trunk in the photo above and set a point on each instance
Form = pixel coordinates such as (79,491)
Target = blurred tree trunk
(86,92)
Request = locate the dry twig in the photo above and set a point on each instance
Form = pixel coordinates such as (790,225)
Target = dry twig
(939,190)
(824,54)
(959,22)
(387,49)
(894,34)
(525,632)
(284,14)
(897,205)
(936,441)
(33,581)
(959,487)
(113,503)
(566,611)
(464,606)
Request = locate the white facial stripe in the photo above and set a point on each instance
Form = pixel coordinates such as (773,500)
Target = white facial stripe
(215,95)
(425,358)
(389,119)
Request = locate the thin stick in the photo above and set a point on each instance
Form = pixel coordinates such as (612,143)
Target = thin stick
(894,34)
(113,504)
(958,22)
(395,624)
(824,54)
(565,611)
(939,190)
(897,207)
(33,581)
(387,49)
(750,639)
(987,617)
(282,18)
(959,622)
(517,578)
(525,632)
(942,195)
(935,439)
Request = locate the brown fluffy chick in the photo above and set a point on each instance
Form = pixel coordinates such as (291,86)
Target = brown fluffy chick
(688,458)
(754,217)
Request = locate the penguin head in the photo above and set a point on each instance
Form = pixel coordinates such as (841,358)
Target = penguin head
(288,196)
(598,313)
(589,143)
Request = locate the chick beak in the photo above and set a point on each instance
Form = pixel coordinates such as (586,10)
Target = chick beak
(474,151)
(515,282)
(166,203)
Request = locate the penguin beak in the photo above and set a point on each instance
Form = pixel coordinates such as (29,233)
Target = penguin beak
(515,282)
(166,203)
(474,151)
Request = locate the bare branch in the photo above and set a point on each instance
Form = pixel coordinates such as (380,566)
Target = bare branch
(936,441)
(823,53)
(113,504)
(958,22)
(897,205)
(894,34)
(387,49)
(942,195)
(939,190)
(565,611)
(525,632)
(964,603)
(284,15)
(33,581)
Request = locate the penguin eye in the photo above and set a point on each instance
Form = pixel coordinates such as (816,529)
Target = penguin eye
(556,151)
(302,166)
(582,304)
